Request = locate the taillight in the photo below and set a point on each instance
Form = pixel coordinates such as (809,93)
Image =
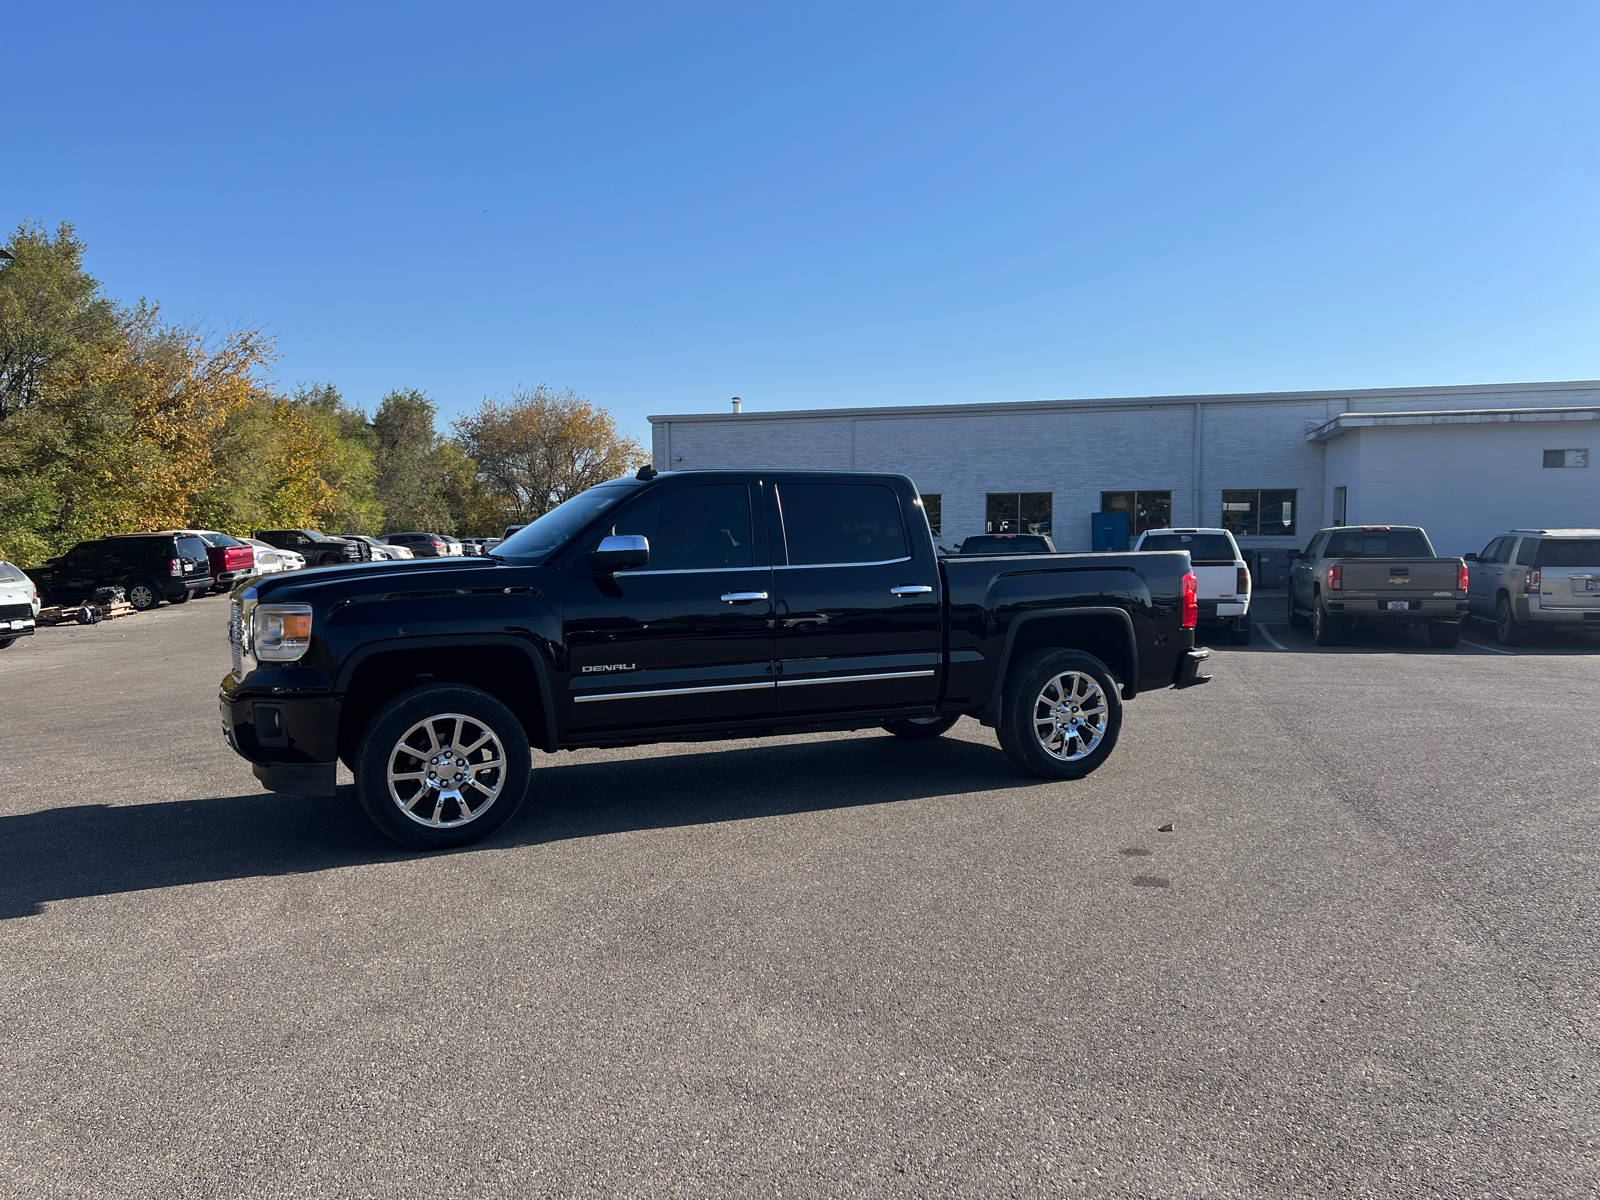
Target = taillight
(1461,578)
(1335,578)
(1191,601)
(1532,586)
(1242,585)
(176,566)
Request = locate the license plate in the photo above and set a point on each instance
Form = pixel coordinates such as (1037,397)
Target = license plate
(1591,585)
(1399,606)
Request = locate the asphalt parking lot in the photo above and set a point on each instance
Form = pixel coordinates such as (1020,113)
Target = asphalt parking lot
(1362,964)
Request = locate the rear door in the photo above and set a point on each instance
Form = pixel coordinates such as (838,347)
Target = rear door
(688,639)
(859,600)
(1569,573)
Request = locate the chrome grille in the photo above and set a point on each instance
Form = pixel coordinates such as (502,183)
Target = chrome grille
(236,639)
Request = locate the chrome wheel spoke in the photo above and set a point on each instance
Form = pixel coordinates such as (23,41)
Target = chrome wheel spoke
(453,802)
(1070,716)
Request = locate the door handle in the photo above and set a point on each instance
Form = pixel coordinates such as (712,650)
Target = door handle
(910,589)
(742,597)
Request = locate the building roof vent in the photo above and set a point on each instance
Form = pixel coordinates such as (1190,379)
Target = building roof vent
(738,405)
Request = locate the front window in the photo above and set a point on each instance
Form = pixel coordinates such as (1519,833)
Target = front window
(1019,512)
(1259,512)
(553,530)
(312,535)
(1146,510)
(693,528)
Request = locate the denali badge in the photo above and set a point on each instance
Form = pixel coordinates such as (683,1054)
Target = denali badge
(612,667)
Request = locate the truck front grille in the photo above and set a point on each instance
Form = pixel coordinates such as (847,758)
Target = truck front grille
(236,639)
(10,612)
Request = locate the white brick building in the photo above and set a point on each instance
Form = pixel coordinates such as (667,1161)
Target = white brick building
(1464,462)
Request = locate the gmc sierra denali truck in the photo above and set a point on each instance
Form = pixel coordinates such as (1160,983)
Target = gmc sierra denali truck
(688,606)
(1379,575)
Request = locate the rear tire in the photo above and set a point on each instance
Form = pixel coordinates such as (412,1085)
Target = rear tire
(1060,713)
(183,599)
(1239,635)
(1508,631)
(917,729)
(476,749)
(143,595)
(1444,636)
(1324,629)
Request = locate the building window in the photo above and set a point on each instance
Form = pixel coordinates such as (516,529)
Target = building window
(1566,458)
(1146,510)
(1259,513)
(933,505)
(1019,512)
(1341,498)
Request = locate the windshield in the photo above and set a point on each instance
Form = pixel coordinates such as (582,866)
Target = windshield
(219,539)
(1384,543)
(314,535)
(1014,544)
(553,530)
(1205,549)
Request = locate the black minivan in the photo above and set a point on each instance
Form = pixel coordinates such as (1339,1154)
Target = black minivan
(150,567)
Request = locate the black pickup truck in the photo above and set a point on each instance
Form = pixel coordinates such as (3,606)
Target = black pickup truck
(687,606)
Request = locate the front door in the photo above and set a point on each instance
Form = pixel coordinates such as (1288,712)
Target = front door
(859,619)
(686,640)
(83,570)
(1483,576)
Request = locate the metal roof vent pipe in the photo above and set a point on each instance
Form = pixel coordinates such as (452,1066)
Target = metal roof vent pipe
(738,406)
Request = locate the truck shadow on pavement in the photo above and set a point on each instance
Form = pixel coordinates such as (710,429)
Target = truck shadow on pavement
(102,850)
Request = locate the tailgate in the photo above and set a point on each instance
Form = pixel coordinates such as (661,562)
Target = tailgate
(1569,570)
(1408,577)
(1215,583)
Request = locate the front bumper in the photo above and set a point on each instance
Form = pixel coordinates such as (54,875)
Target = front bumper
(17,627)
(290,740)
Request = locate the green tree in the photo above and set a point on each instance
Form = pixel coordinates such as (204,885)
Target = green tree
(411,482)
(53,318)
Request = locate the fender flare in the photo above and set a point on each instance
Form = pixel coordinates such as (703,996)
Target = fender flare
(446,641)
(1130,687)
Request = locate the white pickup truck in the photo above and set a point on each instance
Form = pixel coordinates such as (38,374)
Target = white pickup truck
(1221,574)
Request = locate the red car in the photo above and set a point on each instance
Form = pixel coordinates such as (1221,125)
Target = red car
(231,560)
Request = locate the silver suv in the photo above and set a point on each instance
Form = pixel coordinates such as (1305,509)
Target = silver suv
(1531,577)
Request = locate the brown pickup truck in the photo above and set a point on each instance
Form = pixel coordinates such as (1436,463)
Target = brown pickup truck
(1378,574)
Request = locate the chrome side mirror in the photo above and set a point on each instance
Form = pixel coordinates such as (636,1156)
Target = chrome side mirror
(620,552)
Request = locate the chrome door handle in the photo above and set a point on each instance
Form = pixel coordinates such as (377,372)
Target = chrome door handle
(910,589)
(742,597)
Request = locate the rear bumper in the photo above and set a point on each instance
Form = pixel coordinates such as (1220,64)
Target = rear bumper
(1531,610)
(189,583)
(1189,669)
(1376,612)
(1222,610)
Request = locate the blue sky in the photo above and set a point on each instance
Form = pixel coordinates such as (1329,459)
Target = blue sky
(811,205)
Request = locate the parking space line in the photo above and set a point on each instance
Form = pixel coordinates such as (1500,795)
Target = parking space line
(1490,649)
(1270,638)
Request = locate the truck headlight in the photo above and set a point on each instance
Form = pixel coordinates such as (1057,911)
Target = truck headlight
(280,632)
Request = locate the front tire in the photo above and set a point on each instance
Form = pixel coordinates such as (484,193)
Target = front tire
(1060,713)
(143,595)
(917,729)
(1297,620)
(5,643)
(1444,636)
(441,766)
(1324,629)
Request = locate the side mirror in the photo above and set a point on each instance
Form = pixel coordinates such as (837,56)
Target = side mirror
(1469,558)
(625,552)
(1291,555)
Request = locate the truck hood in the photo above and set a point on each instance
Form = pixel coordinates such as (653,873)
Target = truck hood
(389,575)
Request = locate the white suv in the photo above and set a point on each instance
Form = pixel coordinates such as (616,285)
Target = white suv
(1222,576)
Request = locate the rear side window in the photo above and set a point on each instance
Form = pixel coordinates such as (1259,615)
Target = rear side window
(1389,543)
(1526,551)
(841,523)
(1569,552)
(1205,549)
(191,547)
(693,528)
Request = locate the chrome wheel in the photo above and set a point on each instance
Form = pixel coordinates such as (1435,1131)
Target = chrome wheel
(1070,715)
(446,770)
(142,595)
